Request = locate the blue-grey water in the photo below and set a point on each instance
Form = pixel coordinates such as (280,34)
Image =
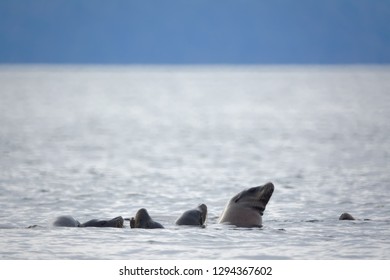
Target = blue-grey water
(104,141)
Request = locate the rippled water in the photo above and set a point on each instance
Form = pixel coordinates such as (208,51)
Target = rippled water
(98,142)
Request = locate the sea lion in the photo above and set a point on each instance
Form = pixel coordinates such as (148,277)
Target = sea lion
(346,216)
(246,208)
(69,221)
(143,220)
(66,221)
(116,222)
(193,217)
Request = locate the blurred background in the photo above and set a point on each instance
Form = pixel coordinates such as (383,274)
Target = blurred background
(195,31)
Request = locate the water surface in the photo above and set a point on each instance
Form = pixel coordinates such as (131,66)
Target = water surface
(98,142)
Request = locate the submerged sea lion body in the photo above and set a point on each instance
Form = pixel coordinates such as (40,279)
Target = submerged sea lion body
(66,221)
(346,216)
(193,217)
(143,220)
(69,221)
(116,222)
(246,208)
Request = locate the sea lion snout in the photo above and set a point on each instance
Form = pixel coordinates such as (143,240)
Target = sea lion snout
(269,185)
(266,192)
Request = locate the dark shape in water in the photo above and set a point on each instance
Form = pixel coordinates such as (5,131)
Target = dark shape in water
(346,216)
(69,221)
(246,208)
(116,222)
(143,220)
(193,217)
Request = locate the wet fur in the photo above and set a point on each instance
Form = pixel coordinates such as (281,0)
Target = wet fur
(246,208)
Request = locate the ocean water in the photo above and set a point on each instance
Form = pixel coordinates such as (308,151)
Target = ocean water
(103,141)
